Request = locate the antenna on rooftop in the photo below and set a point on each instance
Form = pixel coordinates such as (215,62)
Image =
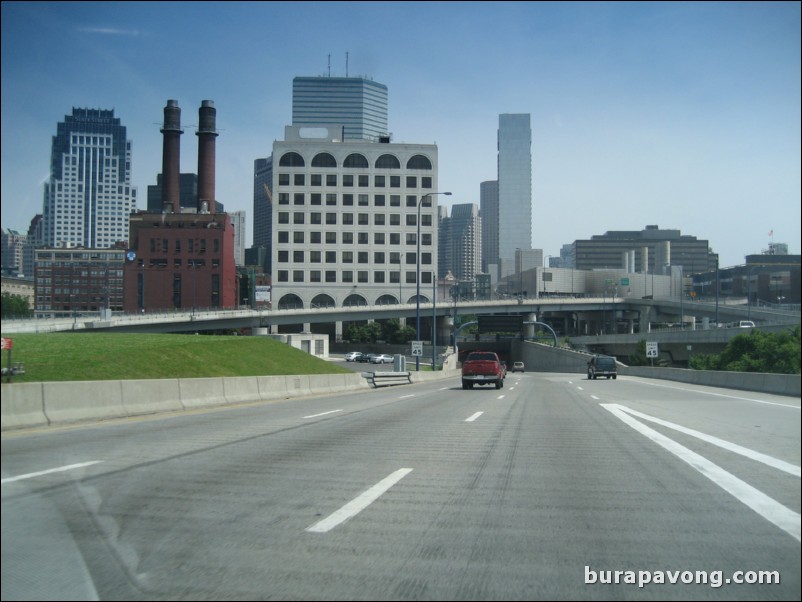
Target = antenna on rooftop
(329,55)
(346,64)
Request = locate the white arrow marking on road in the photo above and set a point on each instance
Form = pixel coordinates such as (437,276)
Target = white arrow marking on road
(787,520)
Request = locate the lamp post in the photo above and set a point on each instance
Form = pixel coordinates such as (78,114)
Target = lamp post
(417,275)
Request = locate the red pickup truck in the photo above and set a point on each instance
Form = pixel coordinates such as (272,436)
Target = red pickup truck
(482,368)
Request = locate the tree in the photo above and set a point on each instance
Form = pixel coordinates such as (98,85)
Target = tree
(15,306)
(766,352)
(638,358)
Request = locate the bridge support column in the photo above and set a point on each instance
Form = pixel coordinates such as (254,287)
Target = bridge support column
(338,331)
(443,330)
(529,329)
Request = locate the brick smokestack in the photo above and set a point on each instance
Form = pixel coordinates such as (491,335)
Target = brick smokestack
(207,133)
(171,158)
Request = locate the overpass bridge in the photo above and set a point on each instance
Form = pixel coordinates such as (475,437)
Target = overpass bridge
(569,316)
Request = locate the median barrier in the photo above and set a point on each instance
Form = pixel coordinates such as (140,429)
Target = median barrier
(201,392)
(151,396)
(241,389)
(22,406)
(419,377)
(77,401)
(775,384)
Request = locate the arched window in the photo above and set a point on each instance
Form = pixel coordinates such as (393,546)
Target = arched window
(419,162)
(388,162)
(291,160)
(290,301)
(354,300)
(322,300)
(387,300)
(324,160)
(355,160)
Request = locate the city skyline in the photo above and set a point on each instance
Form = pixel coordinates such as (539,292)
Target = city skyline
(684,115)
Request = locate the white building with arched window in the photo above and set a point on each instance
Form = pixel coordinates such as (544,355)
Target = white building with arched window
(345,219)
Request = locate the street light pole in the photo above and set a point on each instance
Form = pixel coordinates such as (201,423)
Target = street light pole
(417,276)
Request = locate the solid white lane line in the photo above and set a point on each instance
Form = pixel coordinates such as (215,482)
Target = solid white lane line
(406,396)
(771,403)
(787,520)
(323,414)
(31,475)
(733,447)
(474,417)
(359,503)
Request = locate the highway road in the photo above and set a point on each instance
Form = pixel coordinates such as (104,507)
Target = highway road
(551,488)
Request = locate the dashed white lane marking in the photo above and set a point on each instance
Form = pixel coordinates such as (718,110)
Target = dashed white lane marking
(359,503)
(31,475)
(786,519)
(474,417)
(323,414)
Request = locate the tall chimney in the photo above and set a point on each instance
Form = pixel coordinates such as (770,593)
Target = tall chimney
(171,158)
(206,143)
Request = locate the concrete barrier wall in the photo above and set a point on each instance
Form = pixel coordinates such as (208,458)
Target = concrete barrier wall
(151,396)
(29,405)
(23,406)
(776,384)
(420,377)
(83,400)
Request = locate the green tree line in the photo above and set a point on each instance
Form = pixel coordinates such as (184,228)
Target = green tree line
(755,351)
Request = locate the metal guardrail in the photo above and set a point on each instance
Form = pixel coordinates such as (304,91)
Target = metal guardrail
(385,379)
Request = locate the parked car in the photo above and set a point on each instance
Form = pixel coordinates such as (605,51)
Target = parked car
(518,367)
(602,365)
(353,356)
(366,357)
(382,359)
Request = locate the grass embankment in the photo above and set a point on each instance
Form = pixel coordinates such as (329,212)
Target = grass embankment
(99,356)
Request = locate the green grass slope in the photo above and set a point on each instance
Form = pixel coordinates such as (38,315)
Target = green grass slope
(118,356)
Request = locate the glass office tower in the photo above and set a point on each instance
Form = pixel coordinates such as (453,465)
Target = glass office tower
(514,185)
(356,103)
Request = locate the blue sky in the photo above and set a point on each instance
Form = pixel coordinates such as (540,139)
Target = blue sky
(683,115)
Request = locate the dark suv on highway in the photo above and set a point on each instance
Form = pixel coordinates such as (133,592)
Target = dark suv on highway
(601,365)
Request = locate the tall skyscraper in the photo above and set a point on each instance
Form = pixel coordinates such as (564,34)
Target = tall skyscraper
(488,209)
(88,198)
(514,186)
(356,103)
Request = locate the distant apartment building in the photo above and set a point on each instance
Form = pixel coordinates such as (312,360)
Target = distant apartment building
(345,220)
(461,242)
(650,250)
(88,197)
(13,251)
(73,282)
